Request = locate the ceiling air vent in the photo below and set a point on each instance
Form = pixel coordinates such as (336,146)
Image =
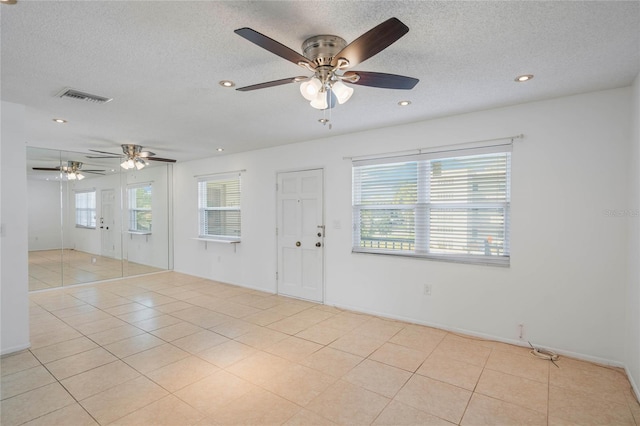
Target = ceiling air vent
(82,96)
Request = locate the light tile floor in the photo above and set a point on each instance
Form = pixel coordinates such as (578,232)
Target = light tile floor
(56,268)
(172,349)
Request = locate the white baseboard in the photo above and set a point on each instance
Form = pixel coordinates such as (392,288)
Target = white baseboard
(634,385)
(13,349)
(583,357)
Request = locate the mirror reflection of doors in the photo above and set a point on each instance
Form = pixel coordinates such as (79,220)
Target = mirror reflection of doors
(79,219)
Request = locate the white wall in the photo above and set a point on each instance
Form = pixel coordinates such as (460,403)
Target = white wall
(45,226)
(14,301)
(632,321)
(567,280)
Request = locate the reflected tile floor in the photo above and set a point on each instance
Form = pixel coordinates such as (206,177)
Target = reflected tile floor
(172,349)
(54,268)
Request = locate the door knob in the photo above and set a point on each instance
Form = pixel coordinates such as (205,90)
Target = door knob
(297,243)
(318,244)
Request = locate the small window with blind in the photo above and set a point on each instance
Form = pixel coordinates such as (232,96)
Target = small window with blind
(219,207)
(139,202)
(436,206)
(85,209)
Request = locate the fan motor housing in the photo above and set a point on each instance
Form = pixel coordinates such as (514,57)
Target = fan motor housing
(321,49)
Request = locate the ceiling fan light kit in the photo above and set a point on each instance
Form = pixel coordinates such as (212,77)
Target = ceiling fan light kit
(134,157)
(328,56)
(71,171)
(74,176)
(133,163)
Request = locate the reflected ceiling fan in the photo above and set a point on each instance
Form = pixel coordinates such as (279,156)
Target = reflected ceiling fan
(329,57)
(134,156)
(72,170)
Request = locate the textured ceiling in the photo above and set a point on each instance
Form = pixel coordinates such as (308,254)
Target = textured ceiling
(161,63)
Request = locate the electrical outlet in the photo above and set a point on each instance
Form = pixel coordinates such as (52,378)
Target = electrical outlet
(427,290)
(521,331)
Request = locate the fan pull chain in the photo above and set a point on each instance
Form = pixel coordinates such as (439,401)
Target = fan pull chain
(330,109)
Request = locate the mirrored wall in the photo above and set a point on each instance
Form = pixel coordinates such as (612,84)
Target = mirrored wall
(91,220)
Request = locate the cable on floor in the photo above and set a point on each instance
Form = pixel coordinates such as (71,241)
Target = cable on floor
(544,354)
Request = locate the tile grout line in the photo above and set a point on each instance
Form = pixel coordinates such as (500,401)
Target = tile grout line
(266,327)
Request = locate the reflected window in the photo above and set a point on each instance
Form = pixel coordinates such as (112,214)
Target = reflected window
(219,207)
(85,209)
(140,216)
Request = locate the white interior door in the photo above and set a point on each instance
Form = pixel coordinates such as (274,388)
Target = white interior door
(301,234)
(107,223)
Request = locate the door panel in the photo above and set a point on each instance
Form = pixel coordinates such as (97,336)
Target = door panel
(311,270)
(290,218)
(309,209)
(300,220)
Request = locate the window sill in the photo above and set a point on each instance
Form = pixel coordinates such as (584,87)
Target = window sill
(499,261)
(139,233)
(235,242)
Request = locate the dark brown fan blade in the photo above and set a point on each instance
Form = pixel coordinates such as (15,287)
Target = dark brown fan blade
(372,42)
(145,154)
(103,156)
(270,84)
(273,46)
(48,169)
(166,160)
(96,172)
(382,80)
(104,152)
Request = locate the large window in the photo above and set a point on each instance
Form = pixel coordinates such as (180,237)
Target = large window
(86,209)
(139,199)
(219,207)
(449,208)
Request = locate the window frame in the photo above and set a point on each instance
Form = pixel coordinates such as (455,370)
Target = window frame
(91,223)
(424,207)
(233,205)
(132,211)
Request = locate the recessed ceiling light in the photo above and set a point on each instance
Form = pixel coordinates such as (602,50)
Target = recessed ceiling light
(8,1)
(59,120)
(219,149)
(523,78)
(226,83)
(404,103)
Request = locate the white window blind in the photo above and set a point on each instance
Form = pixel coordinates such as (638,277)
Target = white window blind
(139,198)
(85,209)
(435,205)
(219,207)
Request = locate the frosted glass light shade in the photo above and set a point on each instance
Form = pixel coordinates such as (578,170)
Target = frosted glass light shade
(127,164)
(139,163)
(320,101)
(310,88)
(342,91)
